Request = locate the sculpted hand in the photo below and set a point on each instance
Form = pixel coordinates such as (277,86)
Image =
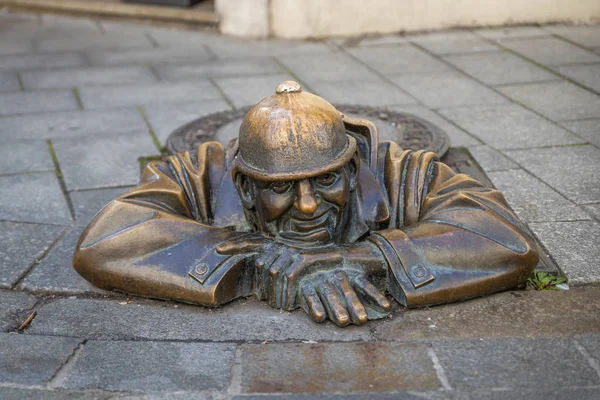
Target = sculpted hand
(344,296)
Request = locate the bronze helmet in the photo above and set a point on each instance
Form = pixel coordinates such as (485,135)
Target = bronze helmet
(292,135)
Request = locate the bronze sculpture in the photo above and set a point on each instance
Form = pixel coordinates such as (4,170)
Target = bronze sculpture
(306,209)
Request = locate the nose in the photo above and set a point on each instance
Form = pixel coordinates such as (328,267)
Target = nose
(306,201)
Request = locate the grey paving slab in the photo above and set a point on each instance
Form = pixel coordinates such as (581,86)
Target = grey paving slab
(593,210)
(398,59)
(572,170)
(71,124)
(558,101)
(509,126)
(88,203)
(333,67)
(247,91)
(13,305)
(532,200)
(160,55)
(32,360)
(218,68)
(81,40)
(395,395)
(151,366)
(55,274)
(155,93)
(588,129)
(500,68)
(34,197)
(11,47)
(21,244)
(74,77)
(588,74)
(34,102)
(164,119)
(341,367)
(588,36)
(491,159)
(97,162)
(243,320)
(591,344)
(25,156)
(574,246)
(370,92)
(551,51)
(449,42)
(511,32)
(507,364)
(9,82)
(447,90)
(385,40)
(458,137)
(13,393)
(41,61)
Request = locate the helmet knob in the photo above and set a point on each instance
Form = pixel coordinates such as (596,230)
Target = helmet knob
(289,87)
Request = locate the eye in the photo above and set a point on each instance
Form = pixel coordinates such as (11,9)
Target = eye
(327,179)
(280,187)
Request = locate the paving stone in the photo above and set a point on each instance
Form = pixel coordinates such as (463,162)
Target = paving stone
(9,82)
(571,170)
(155,93)
(589,129)
(336,367)
(532,200)
(88,203)
(447,90)
(96,162)
(452,42)
(395,395)
(458,137)
(151,366)
(74,77)
(519,313)
(247,91)
(511,32)
(25,156)
(386,40)
(218,68)
(32,360)
(159,55)
(551,51)
(588,36)
(591,344)
(242,49)
(164,119)
(243,320)
(587,74)
(490,159)
(508,364)
(558,101)
(81,40)
(370,92)
(8,393)
(500,68)
(21,244)
(35,197)
(12,307)
(55,274)
(574,246)
(41,61)
(593,210)
(398,59)
(34,102)
(334,67)
(15,47)
(71,124)
(509,126)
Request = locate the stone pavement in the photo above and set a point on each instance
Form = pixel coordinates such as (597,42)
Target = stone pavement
(82,100)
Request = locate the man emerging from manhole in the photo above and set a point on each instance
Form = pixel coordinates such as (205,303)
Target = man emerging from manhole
(306,209)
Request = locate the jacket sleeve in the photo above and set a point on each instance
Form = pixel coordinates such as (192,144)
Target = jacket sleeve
(157,240)
(449,238)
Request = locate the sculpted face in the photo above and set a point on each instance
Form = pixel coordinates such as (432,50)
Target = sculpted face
(305,212)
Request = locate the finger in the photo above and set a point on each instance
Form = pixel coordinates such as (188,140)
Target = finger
(335,310)
(370,292)
(358,313)
(245,245)
(289,279)
(313,305)
(263,263)
(266,258)
(278,265)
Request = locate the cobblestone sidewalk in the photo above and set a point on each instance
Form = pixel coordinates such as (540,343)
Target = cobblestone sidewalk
(81,101)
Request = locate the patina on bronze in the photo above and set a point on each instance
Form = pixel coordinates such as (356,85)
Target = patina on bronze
(307,209)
